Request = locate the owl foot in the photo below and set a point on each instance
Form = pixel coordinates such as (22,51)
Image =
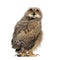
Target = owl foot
(30,53)
(33,55)
(21,54)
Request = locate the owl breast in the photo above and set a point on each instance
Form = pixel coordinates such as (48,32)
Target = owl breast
(32,25)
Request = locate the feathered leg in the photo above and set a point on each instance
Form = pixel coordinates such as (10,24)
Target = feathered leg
(22,53)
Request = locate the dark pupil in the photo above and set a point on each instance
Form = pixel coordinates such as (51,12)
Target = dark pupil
(30,9)
(37,10)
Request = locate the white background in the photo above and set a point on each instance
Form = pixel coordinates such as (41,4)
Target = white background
(12,11)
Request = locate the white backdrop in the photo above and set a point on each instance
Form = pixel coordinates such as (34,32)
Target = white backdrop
(12,11)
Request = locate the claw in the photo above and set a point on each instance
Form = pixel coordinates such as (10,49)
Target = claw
(22,55)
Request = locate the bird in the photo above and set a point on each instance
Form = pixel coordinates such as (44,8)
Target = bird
(27,35)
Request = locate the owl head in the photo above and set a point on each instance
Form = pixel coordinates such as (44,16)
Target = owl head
(33,13)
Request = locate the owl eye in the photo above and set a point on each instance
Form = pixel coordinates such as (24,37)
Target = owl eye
(37,10)
(30,9)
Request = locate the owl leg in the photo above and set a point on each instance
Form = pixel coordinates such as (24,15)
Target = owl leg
(22,53)
(30,53)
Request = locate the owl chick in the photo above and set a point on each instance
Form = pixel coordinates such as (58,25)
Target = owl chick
(28,33)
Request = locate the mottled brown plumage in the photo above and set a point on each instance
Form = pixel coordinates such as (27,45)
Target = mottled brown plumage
(27,33)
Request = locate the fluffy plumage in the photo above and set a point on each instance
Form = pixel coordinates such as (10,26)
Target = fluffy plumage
(27,33)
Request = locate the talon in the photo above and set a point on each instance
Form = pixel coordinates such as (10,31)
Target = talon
(33,55)
(22,55)
(19,55)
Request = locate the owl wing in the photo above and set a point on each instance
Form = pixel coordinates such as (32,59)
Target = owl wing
(19,27)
